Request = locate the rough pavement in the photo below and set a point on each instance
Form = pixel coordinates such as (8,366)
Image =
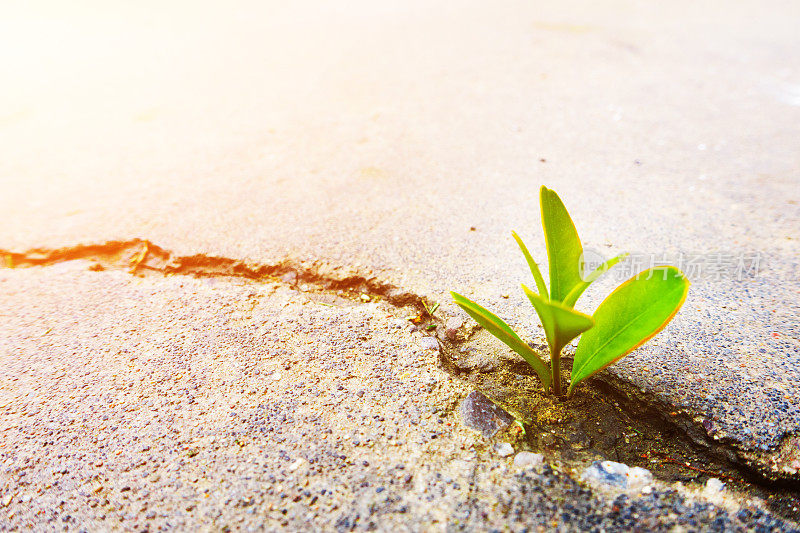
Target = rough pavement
(218,404)
(375,136)
(406,141)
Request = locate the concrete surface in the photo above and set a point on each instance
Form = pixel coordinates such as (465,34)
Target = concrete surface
(374,136)
(188,404)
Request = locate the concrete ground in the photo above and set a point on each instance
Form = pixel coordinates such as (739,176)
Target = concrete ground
(402,142)
(216,404)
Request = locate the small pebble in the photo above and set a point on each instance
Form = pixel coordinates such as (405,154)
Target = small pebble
(451,327)
(528,459)
(297,464)
(504,449)
(713,486)
(480,413)
(612,474)
(429,343)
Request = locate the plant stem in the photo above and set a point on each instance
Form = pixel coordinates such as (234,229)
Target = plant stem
(555,368)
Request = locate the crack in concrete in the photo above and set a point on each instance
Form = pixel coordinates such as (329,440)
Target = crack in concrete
(759,467)
(140,257)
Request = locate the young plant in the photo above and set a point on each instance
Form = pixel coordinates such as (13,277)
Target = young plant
(626,319)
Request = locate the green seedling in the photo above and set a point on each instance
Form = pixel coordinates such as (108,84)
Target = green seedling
(626,319)
(430,310)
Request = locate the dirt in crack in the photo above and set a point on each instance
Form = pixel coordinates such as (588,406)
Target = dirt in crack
(603,422)
(141,257)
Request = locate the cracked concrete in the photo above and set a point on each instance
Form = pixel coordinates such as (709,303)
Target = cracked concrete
(166,402)
(710,431)
(140,256)
(397,145)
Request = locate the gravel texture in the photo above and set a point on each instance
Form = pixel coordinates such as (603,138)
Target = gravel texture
(159,403)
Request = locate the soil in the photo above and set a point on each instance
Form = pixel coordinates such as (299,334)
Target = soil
(604,421)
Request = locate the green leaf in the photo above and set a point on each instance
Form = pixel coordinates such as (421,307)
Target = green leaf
(576,291)
(537,274)
(561,323)
(564,249)
(502,331)
(632,314)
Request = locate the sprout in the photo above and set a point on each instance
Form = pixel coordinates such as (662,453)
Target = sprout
(626,319)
